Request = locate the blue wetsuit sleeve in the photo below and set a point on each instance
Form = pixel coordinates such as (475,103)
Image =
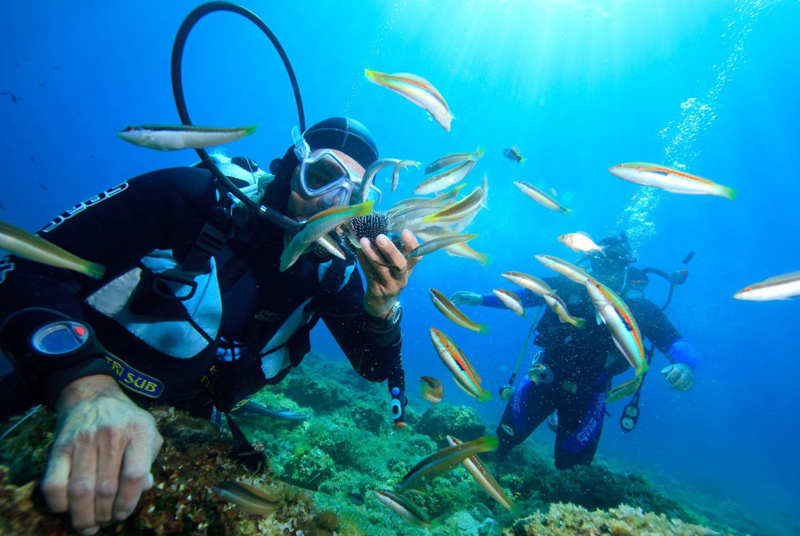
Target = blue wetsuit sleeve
(528,298)
(681,351)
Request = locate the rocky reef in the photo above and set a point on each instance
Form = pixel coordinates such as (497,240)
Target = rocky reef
(346,449)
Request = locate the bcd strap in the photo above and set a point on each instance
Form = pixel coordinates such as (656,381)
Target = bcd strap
(208,243)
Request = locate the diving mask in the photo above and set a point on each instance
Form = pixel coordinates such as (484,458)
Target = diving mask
(325,177)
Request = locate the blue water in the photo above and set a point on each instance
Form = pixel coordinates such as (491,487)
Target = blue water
(577,85)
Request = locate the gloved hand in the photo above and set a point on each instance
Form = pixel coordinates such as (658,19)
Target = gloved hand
(680,376)
(465,297)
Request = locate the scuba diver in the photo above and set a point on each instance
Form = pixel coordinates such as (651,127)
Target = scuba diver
(572,373)
(193,310)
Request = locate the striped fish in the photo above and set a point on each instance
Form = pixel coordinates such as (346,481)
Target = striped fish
(318,225)
(540,197)
(671,180)
(462,208)
(402,506)
(510,300)
(567,269)
(417,90)
(35,248)
(439,243)
(459,249)
(248,498)
(483,477)
(444,460)
(534,284)
(780,287)
(453,313)
(453,158)
(558,306)
(462,370)
(615,314)
(431,389)
(175,137)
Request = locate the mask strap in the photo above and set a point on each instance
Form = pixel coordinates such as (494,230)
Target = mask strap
(301,148)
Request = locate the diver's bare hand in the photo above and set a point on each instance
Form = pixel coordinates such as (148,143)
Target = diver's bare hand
(101,457)
(385,282)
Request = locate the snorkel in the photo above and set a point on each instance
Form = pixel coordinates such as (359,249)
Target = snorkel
(189,22)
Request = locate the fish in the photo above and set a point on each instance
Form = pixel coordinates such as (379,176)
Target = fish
(248,497)
(671,180)
(453,313)
(444,460)
(400,165)
(438,243)
(459,249)
(2,206)
(580,242)
(541,197)
(417,90)
(536,372)
(175,137)
(403,507)
(507,429)
(454,158)
(615,314)
(318,225)
(510,300)
(431,389)
(512,153)
(372,170)
(483,477)
(534,284)
(567,269)
(464,374)
(42,186)
(282,414)
(460,209)
(558,306)
(35,248)
(445,179)
(780,287)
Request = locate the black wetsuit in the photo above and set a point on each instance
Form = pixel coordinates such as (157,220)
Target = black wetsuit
(582,362)
(247,324)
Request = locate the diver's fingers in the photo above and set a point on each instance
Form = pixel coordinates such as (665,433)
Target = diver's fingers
(56,479)
(369,259)
(410,243)
(393,254)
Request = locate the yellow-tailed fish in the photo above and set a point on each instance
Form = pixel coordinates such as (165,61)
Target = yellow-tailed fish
(402,506)
(580,242)
(331,246)
(454,158)
(567,269)
(175,137)
(444,460)
(453,313)
(537,372)
(400,165)
(35,248)
(534,284)
(671,180)
(417,90)
(540,197)
(248,498)
(457,250)
(780,287)
(439,243)
(558,306)
(512,153)
(431,389)
(445,179)
(510,300)
(318,225)
(372,170)
(464,374)
(615,314)
(483,477)
(462,208)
